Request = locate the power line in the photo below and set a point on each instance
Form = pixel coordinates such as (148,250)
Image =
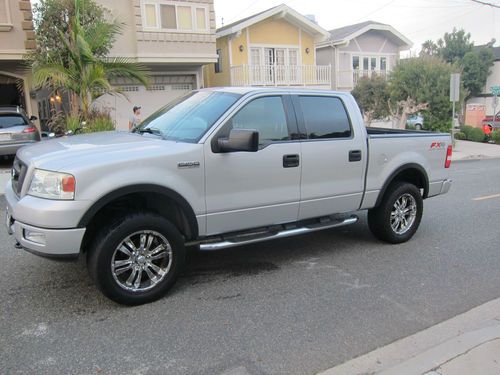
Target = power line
(376,10)
(485,3)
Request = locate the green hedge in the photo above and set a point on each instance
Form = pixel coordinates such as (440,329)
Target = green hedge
(472,134)
(495,136)
(460,136)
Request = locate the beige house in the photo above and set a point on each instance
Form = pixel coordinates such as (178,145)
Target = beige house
(16,39)
(174,39)
(361,50)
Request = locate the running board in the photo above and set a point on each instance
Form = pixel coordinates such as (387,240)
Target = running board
(244,240)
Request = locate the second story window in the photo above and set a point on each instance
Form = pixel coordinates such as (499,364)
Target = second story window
(175,16)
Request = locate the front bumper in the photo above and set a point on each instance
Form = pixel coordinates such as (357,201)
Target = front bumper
(49,242)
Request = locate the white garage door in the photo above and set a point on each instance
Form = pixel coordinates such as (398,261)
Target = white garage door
(150,99)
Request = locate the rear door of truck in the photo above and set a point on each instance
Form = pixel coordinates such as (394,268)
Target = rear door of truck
(333,153)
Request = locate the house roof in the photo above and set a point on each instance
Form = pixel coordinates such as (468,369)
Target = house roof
(280,11)
(344,34)
(496,53)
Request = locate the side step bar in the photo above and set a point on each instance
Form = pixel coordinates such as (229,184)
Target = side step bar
(235,241)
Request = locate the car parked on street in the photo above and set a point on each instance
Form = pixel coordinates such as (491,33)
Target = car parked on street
(218,168)
(416,121)
(16,130)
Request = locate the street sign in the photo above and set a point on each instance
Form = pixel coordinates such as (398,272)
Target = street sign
(495,90)
(455,87)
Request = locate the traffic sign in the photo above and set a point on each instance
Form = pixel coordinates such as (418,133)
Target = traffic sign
(455,87)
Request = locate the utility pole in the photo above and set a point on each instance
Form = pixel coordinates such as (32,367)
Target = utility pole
(454,97)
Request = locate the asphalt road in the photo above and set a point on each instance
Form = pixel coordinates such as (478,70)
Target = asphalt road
(293,306)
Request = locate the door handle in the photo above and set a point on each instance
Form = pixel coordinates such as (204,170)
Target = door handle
(290,161)
(355,155)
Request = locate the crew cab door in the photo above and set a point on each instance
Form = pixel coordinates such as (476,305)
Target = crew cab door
(333,156)
(252,189)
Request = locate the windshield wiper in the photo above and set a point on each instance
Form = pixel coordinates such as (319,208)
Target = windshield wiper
(153,131)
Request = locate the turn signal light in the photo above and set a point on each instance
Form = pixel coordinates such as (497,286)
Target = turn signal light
(31,129)
(68,184)
(447,162)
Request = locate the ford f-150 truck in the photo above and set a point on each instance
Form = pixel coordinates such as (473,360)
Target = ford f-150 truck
(214,169)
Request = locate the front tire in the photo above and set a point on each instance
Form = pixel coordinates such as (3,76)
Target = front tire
(137,259)
(398,216)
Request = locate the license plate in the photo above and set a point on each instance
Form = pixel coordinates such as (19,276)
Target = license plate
(5,137)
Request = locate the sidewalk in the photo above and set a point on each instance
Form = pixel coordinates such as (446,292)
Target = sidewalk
(466,344)
(466,150)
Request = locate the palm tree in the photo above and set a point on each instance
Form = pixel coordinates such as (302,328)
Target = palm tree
(85,75)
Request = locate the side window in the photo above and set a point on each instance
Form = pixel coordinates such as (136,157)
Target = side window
(266,115)
(325,117)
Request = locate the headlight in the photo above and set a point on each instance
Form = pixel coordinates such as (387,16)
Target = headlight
(52,185)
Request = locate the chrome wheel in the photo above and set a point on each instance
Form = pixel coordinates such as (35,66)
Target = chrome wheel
(141,261)
(403,213)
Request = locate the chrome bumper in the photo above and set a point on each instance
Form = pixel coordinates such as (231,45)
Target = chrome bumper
(446,186)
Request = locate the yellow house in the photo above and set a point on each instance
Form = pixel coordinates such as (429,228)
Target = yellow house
(275,47)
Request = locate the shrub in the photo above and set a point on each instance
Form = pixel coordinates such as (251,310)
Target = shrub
(460,136)
(466,129)
(495,136)
(99,121)
(476,135)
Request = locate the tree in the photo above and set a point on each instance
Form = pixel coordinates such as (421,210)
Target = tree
(422,84)
(80,66)
(476,68)
(474,62)
(372,96)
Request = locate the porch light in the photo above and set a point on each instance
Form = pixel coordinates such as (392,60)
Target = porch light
(308,50)
(241,48)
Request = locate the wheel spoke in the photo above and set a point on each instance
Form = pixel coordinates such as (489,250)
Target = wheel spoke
(120,263)
(123,269)
(130,244)
(132,276)
(137,282)
(158,256)
(149,242)
(157,249)
(154,267)
(143,238)
(151,275)
(125,251)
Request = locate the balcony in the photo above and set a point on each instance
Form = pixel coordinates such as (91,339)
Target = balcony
(348,79)
(281,75)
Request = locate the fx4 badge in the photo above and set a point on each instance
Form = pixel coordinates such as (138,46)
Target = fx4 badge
(188,164)
(438,145)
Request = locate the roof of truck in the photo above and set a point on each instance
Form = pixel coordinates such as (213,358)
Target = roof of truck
(243,90)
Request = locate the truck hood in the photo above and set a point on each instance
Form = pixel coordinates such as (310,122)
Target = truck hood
(90,149)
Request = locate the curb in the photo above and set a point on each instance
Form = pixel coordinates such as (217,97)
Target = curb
(430,348)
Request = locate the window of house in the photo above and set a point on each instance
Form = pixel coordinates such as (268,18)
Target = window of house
(365,63)
(355,62)
(174,16)
(265,115)
(218,64)
(383,63)
(325,117)
(373,63)
(293,57)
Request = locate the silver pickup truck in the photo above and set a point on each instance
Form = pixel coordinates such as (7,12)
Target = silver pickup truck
(214,169)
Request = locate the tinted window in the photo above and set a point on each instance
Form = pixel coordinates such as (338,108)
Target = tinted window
(266,115)
(188,118)
(7,121)
(325,117)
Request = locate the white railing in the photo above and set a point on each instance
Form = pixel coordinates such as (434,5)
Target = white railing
(350,78)
(280,75)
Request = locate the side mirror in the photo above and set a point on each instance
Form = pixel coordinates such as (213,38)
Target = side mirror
(33,118)
(239,140)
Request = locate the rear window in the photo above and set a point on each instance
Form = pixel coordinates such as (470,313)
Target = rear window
(325,117)
(10,120)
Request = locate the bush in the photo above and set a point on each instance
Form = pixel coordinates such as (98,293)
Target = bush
(466,129)
(495,136)
(476,135)
(99,121)
(460,136)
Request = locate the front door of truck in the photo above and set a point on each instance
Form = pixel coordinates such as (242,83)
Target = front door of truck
(254,189)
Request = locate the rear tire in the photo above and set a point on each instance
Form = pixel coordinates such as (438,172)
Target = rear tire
(418,127)
(398,216)
(136,259)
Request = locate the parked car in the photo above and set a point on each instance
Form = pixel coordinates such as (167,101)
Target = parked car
(218,168)
(16,130)
(489,125)
(416,121)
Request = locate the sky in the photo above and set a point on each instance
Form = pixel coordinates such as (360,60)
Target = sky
(418,20)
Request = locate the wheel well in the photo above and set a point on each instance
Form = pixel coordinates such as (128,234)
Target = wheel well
(412,174)
(155,202)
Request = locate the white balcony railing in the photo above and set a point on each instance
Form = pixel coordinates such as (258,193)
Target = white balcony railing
(348,79)
(280,75)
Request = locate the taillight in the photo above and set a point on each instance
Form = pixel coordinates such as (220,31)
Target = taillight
(30,129)
(447,162)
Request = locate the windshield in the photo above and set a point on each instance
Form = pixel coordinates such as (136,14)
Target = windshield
(188,118)
(7,121)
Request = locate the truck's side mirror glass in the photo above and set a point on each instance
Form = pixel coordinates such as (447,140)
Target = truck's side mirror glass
(239,140)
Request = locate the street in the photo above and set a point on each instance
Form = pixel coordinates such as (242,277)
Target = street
(293,306)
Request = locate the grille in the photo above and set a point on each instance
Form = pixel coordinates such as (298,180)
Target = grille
(19,170)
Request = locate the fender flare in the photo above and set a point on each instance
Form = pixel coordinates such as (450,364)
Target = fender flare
(142,188)
(400,169)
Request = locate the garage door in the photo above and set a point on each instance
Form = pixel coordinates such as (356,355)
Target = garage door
(164,88)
